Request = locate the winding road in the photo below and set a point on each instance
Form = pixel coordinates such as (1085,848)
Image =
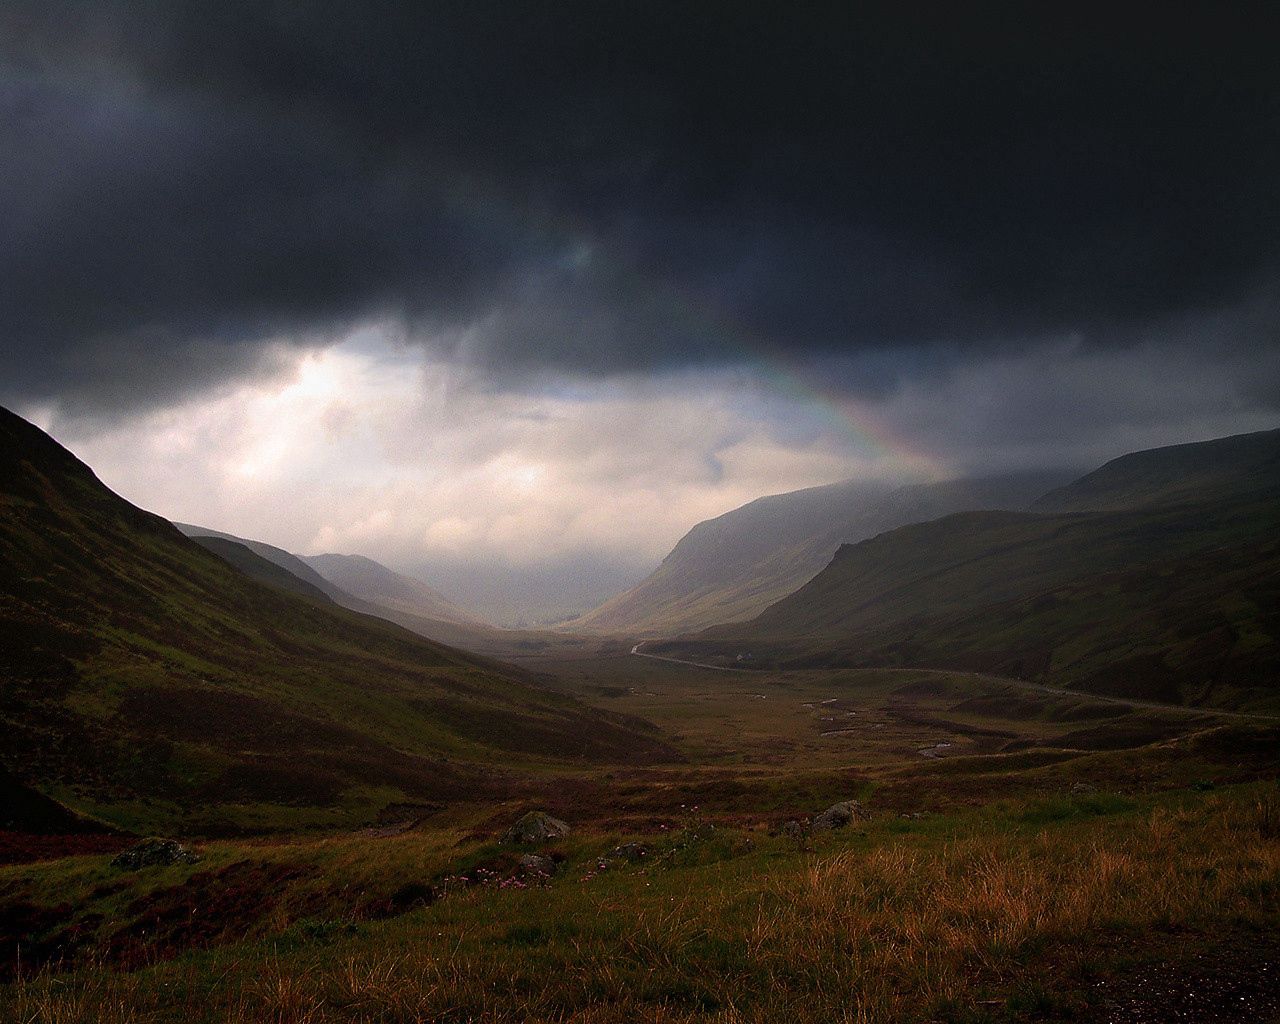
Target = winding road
(1055,691)
(680,661)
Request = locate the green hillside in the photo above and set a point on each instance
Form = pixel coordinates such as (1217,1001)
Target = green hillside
(147,680)
(256,567)
(285,560)
(733,567)
(1177,602)
(1227,467)
(398,593)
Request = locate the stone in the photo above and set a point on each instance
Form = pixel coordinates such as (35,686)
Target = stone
(836,816)
(536,827)
(535,864)
(797,830)
(154,852)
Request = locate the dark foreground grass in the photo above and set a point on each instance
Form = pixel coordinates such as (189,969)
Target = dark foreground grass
(1011,912)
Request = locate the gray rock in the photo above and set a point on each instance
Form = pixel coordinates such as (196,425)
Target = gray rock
(629,851)
(154,853)
(796,830)
(534,864)
(836,816)
(536,827)
(1083,789)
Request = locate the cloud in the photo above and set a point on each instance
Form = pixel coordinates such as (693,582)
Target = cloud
(515,296)
(602,190)
(534,503)
(369,447)
(1065,404)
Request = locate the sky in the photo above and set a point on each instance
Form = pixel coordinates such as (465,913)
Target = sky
(512,295)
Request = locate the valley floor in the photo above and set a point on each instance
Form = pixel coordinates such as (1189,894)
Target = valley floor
(1020,856)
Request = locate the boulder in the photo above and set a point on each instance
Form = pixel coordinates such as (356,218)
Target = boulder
(536,827)
(1083,789)
(154,852)
(836,816)
(796,830)
(534,864)
(629,851)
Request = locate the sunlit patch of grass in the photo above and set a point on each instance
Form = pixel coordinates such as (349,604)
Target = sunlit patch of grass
(962,919)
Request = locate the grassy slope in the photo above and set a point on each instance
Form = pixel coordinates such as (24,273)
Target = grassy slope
(290,563)
(1224,468)
(733,567)
(147,680)
(1020,911)
(982,887)
(458,630)
(370,581)
(253,565)
(1178,603)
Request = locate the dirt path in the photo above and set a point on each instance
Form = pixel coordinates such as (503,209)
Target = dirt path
(680,661)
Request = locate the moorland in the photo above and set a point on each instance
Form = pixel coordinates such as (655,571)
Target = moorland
(1047,812)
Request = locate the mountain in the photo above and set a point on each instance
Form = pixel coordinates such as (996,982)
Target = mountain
(1223,468)
(256,567)
(290,563)
(149,683)
(269,564)
(367,580)
(1177,602)
(733,567)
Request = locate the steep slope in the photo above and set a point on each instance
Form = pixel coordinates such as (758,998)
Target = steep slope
(256,567)
(1228,467)
(367,580)
(287,561)
(148,681)
(1178,602)
(733,567)
(460,631)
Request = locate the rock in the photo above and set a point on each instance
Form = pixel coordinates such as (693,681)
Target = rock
(1083,789)
(795,830)
(533,864)
(836,816)
(536,827)
(154,853)
(629,851)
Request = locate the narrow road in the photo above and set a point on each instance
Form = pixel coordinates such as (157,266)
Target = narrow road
(1055,691)
(680,661)
(1151,705)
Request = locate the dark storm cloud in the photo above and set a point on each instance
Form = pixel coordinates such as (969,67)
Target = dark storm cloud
(600,186)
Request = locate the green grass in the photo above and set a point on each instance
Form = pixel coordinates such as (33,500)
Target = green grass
(152,685)
(1173,604)
(970,913)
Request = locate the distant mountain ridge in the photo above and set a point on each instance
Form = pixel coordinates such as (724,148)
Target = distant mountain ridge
(1171,592)
(733,567)
(253,565)
(382,592)
(1226,467)
(291,563)
(371,581)
(148,682)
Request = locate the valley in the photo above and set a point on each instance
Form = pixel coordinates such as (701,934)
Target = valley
(639,513)
(998,829)
(931,783)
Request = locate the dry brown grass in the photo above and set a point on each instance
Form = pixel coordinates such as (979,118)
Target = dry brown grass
(909,927)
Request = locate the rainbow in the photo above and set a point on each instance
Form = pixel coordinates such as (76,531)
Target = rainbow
(856,421)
